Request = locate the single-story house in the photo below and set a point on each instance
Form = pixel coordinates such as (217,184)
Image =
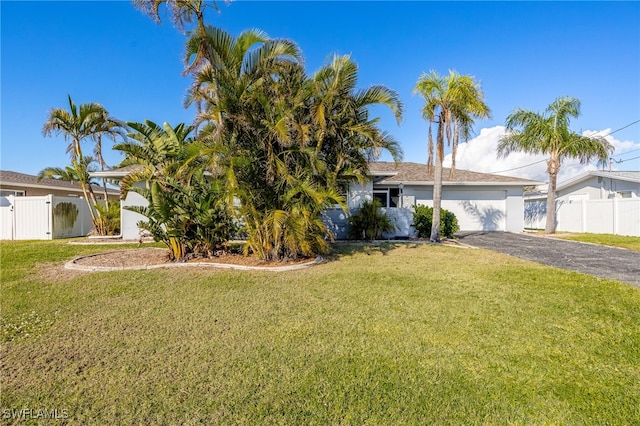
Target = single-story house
(43,209)
(480,201)
(21,185)
(595,201)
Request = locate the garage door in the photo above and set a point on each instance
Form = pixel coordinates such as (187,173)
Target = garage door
(477,210)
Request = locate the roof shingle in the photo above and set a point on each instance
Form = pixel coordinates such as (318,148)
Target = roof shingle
(408,173)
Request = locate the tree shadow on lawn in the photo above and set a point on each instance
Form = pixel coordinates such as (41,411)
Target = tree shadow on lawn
(340,249)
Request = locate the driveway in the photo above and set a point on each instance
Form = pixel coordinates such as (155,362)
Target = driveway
(600,261)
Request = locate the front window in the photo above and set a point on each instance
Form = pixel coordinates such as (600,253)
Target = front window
(388,197)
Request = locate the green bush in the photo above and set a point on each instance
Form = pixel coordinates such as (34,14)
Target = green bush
(108,220)
(369,222)
(422,220)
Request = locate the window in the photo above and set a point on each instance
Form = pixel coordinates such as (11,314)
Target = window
(388,197)
(382,196)
(7,192)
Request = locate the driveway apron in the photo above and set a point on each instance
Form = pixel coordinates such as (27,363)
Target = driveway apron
(601,261)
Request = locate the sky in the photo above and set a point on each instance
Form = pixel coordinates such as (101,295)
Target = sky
(523,54)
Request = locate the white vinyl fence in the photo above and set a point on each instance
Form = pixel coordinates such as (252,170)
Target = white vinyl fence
(44,217)
(619,216)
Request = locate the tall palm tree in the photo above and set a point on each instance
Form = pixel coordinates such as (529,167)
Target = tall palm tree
(345,136)
(79,123)
(549,134)
(452,102)
(76,125)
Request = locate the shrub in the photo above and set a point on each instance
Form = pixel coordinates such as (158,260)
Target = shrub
(369,222)
(108,220)
(422,220)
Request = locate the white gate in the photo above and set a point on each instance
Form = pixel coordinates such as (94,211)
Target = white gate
(43,217)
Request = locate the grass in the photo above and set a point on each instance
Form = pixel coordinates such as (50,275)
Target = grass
(389,334)
(630,243)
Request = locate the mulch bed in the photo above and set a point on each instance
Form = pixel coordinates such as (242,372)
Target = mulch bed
(158,256)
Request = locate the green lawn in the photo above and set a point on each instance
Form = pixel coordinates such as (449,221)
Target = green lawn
(406,334)
(630,243)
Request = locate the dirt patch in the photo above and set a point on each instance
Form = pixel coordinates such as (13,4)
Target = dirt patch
(54,272)
(145,257)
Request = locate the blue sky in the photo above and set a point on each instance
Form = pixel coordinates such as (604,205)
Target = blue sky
(524,54)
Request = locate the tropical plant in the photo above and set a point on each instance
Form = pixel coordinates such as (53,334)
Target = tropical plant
(423,219)
(108,221)
(154,152)
(452,102)
(283,142)
(548,133)
(369,222)
(75,125)
(88,121)
(186,209)
(188,218)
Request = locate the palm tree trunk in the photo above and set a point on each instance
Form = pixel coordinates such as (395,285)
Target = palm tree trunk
(88,201)
(437,183)
(553,166)
(454,149)
(430,150)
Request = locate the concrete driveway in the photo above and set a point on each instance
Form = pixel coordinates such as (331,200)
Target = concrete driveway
(600,261)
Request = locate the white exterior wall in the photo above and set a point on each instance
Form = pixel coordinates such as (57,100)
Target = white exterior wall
(128,219)
(359,193)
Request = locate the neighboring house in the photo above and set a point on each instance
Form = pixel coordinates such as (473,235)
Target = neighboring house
(32,209)
(21,184)
(480,201)
(600,185)
(595,201)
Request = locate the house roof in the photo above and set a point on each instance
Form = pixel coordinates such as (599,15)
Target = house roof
(628,176)
(396,173)
(420,174)
(10,178)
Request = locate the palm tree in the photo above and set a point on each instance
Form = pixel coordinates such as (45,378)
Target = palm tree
(453,102)
(88,121)
(549,134)
(345,137)
(75,125)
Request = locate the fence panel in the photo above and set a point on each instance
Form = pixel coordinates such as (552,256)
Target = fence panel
(32,218)
(70,217)
(610,216)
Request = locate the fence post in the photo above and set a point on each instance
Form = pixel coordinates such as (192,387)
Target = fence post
(615,216)
(583,212)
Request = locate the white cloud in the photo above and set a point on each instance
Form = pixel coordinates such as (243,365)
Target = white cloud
(479,154)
